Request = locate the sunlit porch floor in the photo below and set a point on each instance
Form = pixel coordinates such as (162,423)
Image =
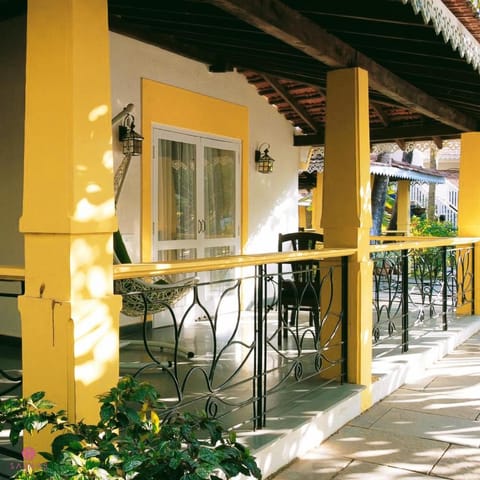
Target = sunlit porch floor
(429,428)
(289,408)
(308,414)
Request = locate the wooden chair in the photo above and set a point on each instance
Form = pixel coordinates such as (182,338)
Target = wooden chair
(299,283)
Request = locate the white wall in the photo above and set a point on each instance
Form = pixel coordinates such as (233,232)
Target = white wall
(12,99)
(272,199)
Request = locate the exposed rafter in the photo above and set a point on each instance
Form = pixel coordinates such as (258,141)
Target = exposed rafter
(291,27)
(438,142)
(391,134)
(296,107)
(380,111)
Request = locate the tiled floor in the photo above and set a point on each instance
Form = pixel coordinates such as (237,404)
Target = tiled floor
(10,360)
(197,337)
(426,429)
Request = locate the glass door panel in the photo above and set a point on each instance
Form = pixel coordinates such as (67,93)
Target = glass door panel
(177,205)
(219,193)
(176,254)
(195,208)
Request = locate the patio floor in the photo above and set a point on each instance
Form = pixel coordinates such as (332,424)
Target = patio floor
(435,413)
(428,428)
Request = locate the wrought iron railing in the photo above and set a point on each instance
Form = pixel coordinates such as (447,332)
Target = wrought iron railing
(418,288)
(240,344)
(248,357)
(12,285)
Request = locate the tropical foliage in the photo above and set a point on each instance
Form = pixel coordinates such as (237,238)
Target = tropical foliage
(130,441)
(431,228)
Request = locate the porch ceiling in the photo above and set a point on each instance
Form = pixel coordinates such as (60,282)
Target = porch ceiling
(421,87)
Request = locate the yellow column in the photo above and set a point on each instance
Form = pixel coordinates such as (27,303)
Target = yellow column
(403,206)
(69,313)
(347,213)
(469,206)
(317,203)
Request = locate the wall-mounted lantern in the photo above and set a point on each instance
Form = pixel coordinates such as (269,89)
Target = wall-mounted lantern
(263,161)
(132,141)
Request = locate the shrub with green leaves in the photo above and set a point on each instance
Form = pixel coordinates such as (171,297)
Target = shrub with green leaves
(130,441)
(431,228)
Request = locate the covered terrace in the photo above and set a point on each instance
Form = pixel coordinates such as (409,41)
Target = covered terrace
(346,74)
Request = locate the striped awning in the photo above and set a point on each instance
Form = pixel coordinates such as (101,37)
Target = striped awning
(405,171)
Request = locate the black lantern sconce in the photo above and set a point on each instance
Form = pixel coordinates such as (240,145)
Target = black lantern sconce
(263,161)
(132,141)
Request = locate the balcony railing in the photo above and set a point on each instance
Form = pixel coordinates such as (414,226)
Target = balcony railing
(233,348)
(237,355)
(418,286)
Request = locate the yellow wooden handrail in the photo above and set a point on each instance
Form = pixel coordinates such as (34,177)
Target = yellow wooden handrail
(404,243)
(138,270)
(8,272)
(219,263)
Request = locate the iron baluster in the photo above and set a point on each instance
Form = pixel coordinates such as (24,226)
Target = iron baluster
(444,288)
(344,313)
(404,300)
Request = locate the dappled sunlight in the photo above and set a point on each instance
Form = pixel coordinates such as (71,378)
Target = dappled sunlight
(93,176)
(365,200)
(91,327)
(95,309)
(89,278)
(96,342)
(362,447)
(93,188)
(98,112)
(459,462)
(97,281)
(107,160)
(375,453)
(86,211)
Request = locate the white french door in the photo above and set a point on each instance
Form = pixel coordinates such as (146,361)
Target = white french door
(196,197)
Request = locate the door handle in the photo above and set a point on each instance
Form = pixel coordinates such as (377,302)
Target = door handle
(202,226)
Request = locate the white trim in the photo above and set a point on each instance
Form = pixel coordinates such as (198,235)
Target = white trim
(451,28)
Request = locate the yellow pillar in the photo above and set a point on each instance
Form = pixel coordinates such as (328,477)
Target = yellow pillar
(69,313)
(302,216)
(469,206)
(403,206)
(347,213)
(317,203)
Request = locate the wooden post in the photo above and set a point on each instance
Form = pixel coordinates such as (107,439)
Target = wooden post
(403,206)
(469,208)
(347,208)
(69,313)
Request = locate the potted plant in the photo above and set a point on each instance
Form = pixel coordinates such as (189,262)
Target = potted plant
(130,441)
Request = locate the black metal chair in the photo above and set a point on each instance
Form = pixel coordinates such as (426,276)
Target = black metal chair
(299,283)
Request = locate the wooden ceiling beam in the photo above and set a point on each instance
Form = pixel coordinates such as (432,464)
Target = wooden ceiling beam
(291,27)
(296,107)
(438,141)
(390,134)
(380,111)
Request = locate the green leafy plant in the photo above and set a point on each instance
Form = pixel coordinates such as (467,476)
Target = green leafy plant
(431,228)
(130,441)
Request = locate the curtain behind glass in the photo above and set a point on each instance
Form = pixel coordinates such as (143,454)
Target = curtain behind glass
(177,193)
(219,187)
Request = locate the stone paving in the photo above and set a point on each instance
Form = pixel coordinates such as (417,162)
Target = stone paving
(429,429)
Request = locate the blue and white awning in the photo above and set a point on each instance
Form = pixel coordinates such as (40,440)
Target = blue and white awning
(405,171)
